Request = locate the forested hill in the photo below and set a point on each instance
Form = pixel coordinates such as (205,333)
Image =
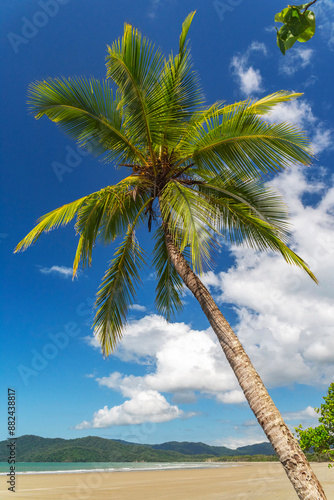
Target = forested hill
(218,451)
(96,449)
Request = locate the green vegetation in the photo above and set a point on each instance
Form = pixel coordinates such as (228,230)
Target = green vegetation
(320,439)
(89,449)
(298,25)
(202,448)
(96,449)
(247,458)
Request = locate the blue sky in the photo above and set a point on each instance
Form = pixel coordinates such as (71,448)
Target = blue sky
(165,382)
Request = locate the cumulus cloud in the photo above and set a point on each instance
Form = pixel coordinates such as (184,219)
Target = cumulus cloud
(66,272)
(249,79)
(299,113)
(232,397)
(145,406)
(306,414)
(294,60)
(285,321)
(182,362)
(152,340)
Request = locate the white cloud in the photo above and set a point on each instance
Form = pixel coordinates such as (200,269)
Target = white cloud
(145,406)
(322,139)
(137,307)
(324,12)
(209,279)
(250,79)
(232,397)
(234,442)
(299,113)
(294,60)
(92,342)
(285,320)
(163,345)
(182,362)
(308,413)
(62,270)
(257,47)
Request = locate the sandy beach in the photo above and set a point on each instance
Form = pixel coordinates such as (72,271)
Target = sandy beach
(248,481)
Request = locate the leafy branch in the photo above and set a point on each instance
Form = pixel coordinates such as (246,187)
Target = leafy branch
(320,439)
(298,25)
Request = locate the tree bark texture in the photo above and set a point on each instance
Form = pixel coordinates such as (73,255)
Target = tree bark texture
(285,445)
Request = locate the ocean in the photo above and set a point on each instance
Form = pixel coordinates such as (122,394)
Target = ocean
(71,467)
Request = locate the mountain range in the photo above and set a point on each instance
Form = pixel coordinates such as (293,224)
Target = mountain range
(31,448)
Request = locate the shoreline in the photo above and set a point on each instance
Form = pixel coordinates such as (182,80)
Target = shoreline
(240,481)
(169,466)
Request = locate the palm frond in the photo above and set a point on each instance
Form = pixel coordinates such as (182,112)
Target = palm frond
(254,215)
(243,144)
(260,235)
(185,28)
(59,217)
(169,287)
(262,201)
(88,111)
(107,216)
(260,107)
(118,290)
(220,114)
(265,104)
(181,94)
(190,220)
(134,65)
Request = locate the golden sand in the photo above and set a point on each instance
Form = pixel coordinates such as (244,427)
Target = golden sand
(248,481)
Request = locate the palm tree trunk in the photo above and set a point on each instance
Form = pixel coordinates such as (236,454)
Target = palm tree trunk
(287,448)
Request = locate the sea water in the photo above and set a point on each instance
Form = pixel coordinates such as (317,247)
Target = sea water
(71,467)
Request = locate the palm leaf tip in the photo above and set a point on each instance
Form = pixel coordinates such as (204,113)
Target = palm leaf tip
(292,258)
(185,28)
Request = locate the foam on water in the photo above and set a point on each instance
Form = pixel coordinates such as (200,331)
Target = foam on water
(70,468)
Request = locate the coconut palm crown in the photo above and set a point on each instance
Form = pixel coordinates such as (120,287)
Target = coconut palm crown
(195,172)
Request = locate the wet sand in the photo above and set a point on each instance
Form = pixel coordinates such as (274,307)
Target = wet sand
(247,481)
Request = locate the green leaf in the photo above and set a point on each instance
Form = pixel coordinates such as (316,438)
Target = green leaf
(243,144)
(297,26)
(107,216)
(253,215)
(310,30)
(185,28)
(190,220)
(59,217)
(118,290)
(280,16)
(280,43)
(134,65)
(169,286)
(88,111)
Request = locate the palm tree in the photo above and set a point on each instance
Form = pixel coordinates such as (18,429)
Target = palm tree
(196,173)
